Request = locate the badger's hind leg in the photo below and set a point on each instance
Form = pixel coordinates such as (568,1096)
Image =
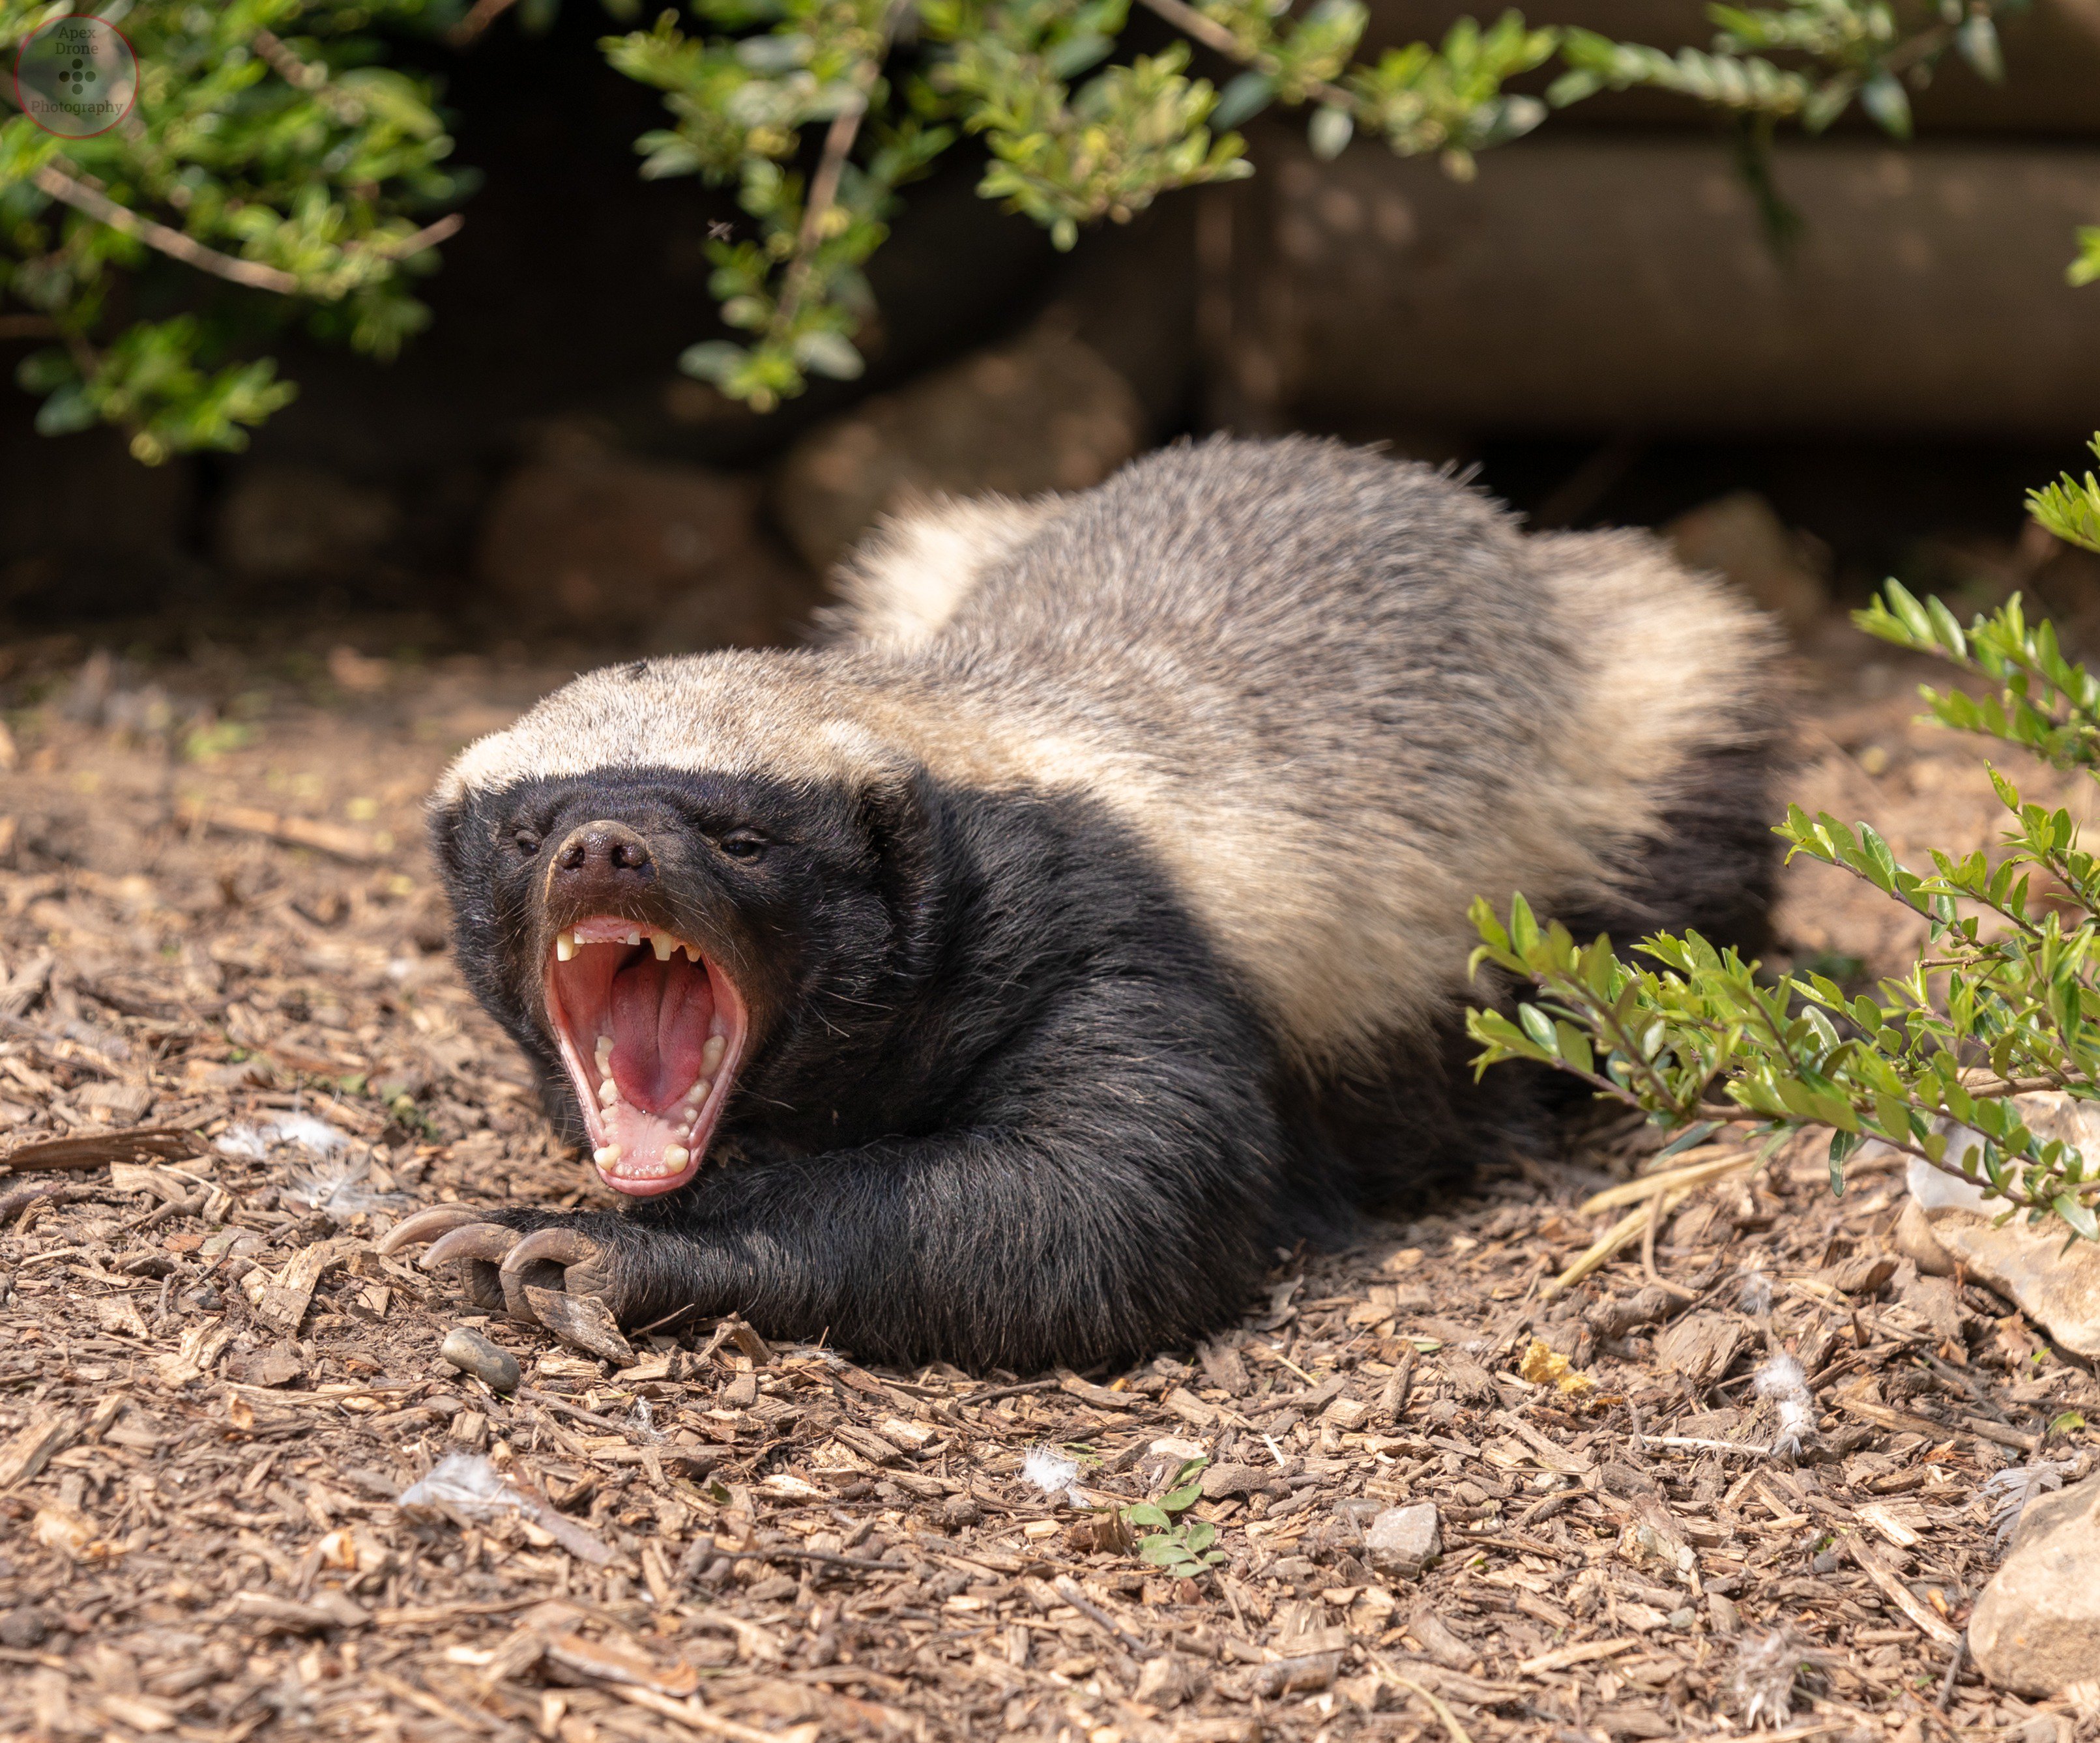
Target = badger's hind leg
(1409,1125)
(1708,863)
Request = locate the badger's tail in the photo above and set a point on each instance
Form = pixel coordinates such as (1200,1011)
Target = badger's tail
(1687,694)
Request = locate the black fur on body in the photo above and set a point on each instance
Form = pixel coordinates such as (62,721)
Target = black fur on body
(1060,851)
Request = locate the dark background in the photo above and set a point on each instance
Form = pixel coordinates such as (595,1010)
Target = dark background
(1599,325)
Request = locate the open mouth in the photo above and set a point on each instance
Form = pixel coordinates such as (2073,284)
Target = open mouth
(651,1030)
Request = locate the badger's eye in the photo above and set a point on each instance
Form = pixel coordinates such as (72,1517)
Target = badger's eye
(743,844)
(527,843)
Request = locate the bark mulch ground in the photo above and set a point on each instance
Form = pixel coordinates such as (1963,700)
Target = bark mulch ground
(232,1051)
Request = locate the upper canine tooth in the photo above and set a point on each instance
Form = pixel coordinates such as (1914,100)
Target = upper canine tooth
(711,1055)
(634,938)
(606,1157)
(676,1155)
(565,946)
(663,946)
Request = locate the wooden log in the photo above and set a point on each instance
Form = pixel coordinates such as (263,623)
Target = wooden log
(1586,283)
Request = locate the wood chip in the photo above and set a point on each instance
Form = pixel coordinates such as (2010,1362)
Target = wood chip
(328,1610)
(1190,1408)
(1897,1593)
(582,1322)
(1588,1652)
(333,839)
(202,1345)
(606,1662)
(119,1314)
(282,1304)
(31,1448)
(1100,1397)
(93,1150)
(1882,1517)
(689,1713)
(1702,1347)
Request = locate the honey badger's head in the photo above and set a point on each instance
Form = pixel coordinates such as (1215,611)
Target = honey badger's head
(671,881)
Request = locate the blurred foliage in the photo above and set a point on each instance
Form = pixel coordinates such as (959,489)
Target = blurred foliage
(272,148)
(1068,145)
(2003,998)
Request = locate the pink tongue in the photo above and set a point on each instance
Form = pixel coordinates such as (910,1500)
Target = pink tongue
(659,1024)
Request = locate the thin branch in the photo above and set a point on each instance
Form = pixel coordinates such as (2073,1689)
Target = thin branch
(1623,1043)
(76,193)
(303,75)
(485,13)
(55,182)
(27,326)
(824,186)
(1214,35)
(428,237)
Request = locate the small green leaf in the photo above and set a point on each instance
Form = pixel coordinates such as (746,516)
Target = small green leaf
(1883,97)
(714,360)
(1330,130)
(2078,1214)
(1243,99)
(829,353)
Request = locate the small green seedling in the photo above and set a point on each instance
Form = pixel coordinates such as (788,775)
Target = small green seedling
(1182,1547)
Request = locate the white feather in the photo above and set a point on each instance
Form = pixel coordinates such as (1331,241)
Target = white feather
(1052,1472)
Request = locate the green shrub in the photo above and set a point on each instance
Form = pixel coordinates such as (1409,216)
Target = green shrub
(271,149)
(2003,998)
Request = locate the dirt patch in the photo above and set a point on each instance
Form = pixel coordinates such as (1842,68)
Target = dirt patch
(217,923)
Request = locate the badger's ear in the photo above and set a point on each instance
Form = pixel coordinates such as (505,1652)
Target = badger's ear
(897,819)
(463,843)
(450,845)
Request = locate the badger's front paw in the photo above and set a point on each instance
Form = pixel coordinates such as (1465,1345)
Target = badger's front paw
(549,1272)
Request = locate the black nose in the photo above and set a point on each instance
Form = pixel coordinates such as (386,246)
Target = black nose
(602,853)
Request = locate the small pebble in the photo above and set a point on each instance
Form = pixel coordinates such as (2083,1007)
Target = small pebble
(24,1628)
(472,1353)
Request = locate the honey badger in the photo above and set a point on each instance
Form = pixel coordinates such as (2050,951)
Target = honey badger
(1005,980)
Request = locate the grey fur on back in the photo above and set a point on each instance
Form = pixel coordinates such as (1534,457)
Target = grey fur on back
(1335,695)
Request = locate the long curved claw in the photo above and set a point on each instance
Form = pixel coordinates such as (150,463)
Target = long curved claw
(490,1241)
(564,1259)
(426,1225)
(562,1247)
(478,1246)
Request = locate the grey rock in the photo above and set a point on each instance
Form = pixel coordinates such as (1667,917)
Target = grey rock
(590,542)
(472,1353)
(25,1628)
(1741,539)
(1404,1540)
(1046,413)
(2037,1628)
(2056,1285)
(1222,1482)
(294,523)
